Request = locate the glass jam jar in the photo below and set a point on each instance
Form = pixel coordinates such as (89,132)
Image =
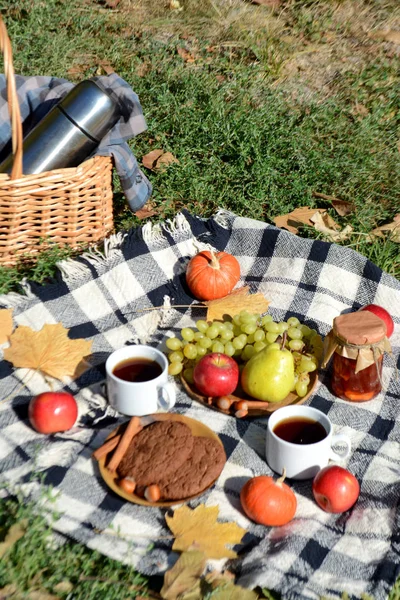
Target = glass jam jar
(357,343)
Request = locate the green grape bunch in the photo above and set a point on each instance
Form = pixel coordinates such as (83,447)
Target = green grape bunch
(242,337)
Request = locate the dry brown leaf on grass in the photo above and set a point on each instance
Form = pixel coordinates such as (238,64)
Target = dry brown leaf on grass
(393,229)
(198,529)
(41,595)
(328,226)
(148,210)
(342,207)
(313,217)
(386,35)
(15,533)
(143,69)
(234,302)
(184,576)
(234,592)
(270,3)
(105,65)
(293,220)
(158,159)
(175,5)
(6,324)
(48,350)
(186,55)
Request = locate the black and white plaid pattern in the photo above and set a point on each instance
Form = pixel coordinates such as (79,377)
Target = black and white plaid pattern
(37,95)
(101,298)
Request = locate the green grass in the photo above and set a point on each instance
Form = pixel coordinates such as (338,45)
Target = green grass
(276,106)
(36,563)
(248,137)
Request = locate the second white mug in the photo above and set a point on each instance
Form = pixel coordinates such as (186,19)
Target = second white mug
(304,453)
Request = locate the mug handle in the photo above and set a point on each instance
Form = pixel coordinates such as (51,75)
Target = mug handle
(168,395)
(344,439)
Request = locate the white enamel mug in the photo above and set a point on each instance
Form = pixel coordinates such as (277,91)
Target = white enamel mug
(138,398)
(303,461)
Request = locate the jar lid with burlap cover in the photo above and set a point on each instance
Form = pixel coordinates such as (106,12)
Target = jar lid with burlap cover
(360,336)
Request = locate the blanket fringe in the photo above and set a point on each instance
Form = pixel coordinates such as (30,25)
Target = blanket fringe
(71,269)
(177,226)
(224,218)
(16,299)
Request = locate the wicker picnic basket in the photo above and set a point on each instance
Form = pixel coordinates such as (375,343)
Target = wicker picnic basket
(72,206)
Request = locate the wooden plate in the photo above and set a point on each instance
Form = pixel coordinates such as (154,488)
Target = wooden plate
(260,411)
(197,428)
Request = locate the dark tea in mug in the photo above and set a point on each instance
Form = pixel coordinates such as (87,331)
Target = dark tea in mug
(137,369)
(300,430)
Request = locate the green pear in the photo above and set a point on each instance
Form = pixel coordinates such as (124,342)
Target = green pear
(269,374)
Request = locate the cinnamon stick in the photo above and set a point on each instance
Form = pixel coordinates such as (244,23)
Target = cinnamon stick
(107,447)
(132,429)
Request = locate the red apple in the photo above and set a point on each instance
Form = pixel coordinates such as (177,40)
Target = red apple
(335,489)
(383,314)
(216,374)
(52,412)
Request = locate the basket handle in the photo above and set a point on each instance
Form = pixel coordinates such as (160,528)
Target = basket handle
(13,104)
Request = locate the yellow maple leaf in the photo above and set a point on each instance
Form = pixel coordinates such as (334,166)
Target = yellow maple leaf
(234,302)
(198,529)
(6,324)
(49,350)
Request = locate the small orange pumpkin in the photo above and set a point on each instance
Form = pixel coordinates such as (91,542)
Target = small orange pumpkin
(268,501)
(211,275)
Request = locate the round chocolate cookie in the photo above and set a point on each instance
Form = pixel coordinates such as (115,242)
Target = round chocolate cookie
(201,468)
(156,452)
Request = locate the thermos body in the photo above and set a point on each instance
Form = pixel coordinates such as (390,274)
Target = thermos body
(70,131)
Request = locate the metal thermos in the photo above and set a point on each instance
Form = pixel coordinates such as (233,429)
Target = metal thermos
(70,131)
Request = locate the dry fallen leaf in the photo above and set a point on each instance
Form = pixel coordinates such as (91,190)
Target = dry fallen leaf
(233,592)
(392,228)
(175,5)
(158,159)
(142,69)
(6,324)
(186,55)
(386,35)
(63,587)
(148,210)
(111,3)
(41,595)
(184,575)
(342,207)
(270,3)
(15,533)
(104,65)
(215,578)
(49,350)
(198,529)
(9,591)
(299,216)
(328,226)
(234,302)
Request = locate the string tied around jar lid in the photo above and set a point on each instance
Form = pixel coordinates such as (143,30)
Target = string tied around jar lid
(360,336)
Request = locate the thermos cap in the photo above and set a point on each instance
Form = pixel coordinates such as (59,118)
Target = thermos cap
(91,109)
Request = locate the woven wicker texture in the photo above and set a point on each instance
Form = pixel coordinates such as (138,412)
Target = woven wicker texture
(66,206)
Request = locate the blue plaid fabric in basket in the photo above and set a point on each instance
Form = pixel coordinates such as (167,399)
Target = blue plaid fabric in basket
(102,296)
(37,95)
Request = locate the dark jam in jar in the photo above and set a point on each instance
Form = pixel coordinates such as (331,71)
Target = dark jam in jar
(358,387)
(356,343)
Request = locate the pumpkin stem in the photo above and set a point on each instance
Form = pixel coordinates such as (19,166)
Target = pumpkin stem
(214,264)
(282,478)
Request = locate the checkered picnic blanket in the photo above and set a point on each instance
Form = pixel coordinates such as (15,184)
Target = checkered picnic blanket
(101,297)
(37,95)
